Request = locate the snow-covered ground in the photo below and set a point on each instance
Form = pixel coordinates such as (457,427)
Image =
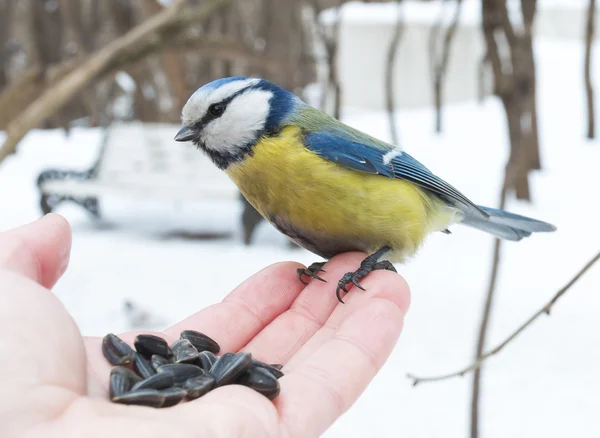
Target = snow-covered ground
(546,383)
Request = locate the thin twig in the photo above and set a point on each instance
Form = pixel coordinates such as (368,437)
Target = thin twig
(330,43)
(544,310)
(487,311)
(332,53)
(441,66)
(389,73)
(589,88)
(434,34)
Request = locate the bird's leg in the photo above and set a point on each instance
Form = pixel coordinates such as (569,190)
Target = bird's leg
(311,272)
(369,264)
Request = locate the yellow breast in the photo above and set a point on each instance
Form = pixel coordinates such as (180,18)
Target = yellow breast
(332,205)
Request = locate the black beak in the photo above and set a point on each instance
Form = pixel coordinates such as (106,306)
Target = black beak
(185,134)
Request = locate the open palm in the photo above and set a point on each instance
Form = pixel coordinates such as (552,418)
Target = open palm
(55,381)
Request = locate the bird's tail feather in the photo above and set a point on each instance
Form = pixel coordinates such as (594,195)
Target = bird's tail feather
(506,225)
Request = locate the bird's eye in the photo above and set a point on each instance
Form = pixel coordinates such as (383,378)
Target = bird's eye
(216,109)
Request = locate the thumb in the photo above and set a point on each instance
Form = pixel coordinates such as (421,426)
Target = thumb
(39,250)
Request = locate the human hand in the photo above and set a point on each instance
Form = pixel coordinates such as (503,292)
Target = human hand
(55,382)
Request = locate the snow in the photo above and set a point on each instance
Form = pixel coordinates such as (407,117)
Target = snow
(546,383)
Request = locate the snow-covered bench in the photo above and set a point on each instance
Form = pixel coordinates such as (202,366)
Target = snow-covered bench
(141,160)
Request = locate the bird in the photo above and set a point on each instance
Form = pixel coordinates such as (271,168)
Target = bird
(328,187)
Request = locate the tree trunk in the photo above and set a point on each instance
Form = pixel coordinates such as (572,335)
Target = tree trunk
(528,8)
(514,84)
(6,7)
(517,177)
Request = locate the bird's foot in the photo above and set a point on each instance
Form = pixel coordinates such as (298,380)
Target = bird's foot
(311,272)
(369,264)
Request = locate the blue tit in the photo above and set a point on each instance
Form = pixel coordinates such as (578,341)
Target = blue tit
(326,186)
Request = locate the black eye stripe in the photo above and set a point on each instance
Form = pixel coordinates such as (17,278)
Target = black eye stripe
(208,117)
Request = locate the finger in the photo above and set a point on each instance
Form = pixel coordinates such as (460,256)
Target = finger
(231,323)
(39,250)
(328,381)
(354,300)
(249,308)
(282,339)
(40,344)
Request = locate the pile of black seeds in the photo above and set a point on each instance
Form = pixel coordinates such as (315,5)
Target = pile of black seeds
(160,375)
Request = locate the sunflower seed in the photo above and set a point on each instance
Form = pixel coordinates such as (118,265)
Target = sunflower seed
(201,341)
(121,381)
(158,375)
(229,367)
(172,396)
(157,381)
(260,380)
(206,360)
(142,366)
(275,371)
(181,371)
(144,397)
(198,386)
(116,351)
(147,345)
(184,351)
(157,360)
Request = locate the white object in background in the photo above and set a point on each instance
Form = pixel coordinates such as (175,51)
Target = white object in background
(141,160)
(564,19)
(366,30)
(365,34)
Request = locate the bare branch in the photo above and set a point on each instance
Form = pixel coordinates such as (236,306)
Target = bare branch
(487,311)
(434,35)
(27,86)
(150,34)
(389,72)
(544,310)
(440,67)
(589,88)
(331,46)
(228,49)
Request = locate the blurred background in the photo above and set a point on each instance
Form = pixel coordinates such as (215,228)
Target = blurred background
(495,96)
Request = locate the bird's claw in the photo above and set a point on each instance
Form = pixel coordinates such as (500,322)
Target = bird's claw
(355,281)
(368,265)
(350,277)
(311,272)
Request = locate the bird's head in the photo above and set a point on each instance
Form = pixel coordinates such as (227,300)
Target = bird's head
(226,117)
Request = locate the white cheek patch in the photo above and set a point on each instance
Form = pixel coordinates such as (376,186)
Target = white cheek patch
(244,117)
(198,103)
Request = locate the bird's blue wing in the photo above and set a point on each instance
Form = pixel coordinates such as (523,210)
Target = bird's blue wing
(366,156)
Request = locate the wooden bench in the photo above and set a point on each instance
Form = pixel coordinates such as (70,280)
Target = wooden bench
(143,161)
